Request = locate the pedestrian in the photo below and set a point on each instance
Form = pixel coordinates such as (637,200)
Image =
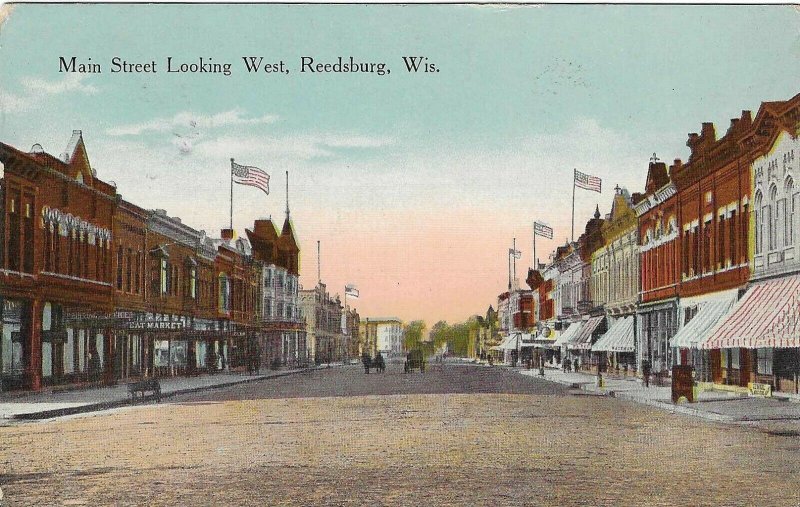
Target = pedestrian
(646,368)
(575,364)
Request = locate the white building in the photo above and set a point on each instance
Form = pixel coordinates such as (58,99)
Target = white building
(389,334)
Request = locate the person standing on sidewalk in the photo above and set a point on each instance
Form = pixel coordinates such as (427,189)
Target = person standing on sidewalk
(646,367)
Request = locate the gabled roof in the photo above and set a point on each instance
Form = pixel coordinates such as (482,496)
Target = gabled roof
(287,239)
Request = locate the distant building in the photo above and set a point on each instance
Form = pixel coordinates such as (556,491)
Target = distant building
(383,334)
(326,341)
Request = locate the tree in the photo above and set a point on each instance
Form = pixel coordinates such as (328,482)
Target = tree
(413,334)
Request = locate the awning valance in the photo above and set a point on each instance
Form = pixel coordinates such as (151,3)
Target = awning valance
(583,339)
(509,342)
(569,334)
(766,316)
(618,339)
(709,313)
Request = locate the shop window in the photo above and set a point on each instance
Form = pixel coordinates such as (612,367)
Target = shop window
(764,361)
(69,352)
(734,358)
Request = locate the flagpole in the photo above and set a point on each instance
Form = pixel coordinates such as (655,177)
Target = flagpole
(231,195)
(574,174)
(535,264)
(514,256)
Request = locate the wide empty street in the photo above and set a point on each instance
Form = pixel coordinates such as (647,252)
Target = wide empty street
(454,435)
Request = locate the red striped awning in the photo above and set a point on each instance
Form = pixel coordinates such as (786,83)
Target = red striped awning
(767,316)
(583,339)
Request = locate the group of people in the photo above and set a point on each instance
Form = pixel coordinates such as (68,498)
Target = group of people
(378,363)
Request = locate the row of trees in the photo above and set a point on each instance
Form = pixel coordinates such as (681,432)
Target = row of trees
(457,337)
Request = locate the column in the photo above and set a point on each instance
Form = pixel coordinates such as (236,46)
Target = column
(34,343)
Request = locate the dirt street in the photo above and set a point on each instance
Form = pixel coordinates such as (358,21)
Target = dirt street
(457,435)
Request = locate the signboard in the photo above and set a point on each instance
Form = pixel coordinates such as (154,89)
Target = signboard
(682,383)
(756,389)
(149,325)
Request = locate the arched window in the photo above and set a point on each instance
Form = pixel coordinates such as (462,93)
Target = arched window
(772,217)
(791,203)
(759,221)
(224,293)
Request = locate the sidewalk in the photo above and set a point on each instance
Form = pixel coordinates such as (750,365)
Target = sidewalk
(56,404)
(711,405)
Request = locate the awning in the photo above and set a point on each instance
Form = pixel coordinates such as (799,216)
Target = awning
(710,311)
(618,339)
(509,343)
(526,340)
(569,334)
(767,316)
(583,339)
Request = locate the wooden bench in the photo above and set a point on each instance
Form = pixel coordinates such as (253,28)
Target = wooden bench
(150,385)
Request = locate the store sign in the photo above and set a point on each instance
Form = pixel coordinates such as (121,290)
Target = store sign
(150,325)
(763,390)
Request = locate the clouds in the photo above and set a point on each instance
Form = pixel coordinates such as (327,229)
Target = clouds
(35,90)
(190,120)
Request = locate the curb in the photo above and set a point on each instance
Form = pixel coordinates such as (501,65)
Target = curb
(95,407)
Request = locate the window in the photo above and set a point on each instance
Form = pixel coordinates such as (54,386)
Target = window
(224,293)
(732,236)
(163,277)
(707,262)
(721,242)
(772,216)
(193,282)
(735,358)
(119,268)
(788,223)
(27,259)
(137,277)
(764,361)
(129,272)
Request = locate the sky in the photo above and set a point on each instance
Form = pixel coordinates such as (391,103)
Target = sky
(415,184)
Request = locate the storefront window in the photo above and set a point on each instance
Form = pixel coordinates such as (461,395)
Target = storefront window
(160,353)
(98,341)
(69,352)
(764,364)
(82,338)
(178,352)
(735,358)
(200,354)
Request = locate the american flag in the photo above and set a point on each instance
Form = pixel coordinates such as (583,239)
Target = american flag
(249,175)
(540,229)
(351,290)
(516,253)
(587,182)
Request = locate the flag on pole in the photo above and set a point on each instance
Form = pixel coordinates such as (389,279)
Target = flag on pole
(251,176)
(587,182)
(351,290)
(516,253)
(539,229)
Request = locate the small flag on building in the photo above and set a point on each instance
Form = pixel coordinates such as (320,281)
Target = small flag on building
(516,253)
(249,175)
(587,182)
(539,229)
(351,290)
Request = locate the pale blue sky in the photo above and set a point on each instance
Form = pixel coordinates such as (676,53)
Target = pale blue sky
(380,165)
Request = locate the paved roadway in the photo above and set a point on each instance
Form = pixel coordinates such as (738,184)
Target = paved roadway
(455,435)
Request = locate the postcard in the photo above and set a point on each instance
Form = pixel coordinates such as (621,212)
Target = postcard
(390,254)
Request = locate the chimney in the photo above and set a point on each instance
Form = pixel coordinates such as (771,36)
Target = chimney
(227,234)
(676,165)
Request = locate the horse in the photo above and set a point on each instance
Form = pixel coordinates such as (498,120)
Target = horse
(380,365)
(366,361)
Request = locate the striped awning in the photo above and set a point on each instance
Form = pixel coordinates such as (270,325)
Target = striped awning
(583,340)
(509,343)
(710,311)
(569,334)
(767,316)
(618,339)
